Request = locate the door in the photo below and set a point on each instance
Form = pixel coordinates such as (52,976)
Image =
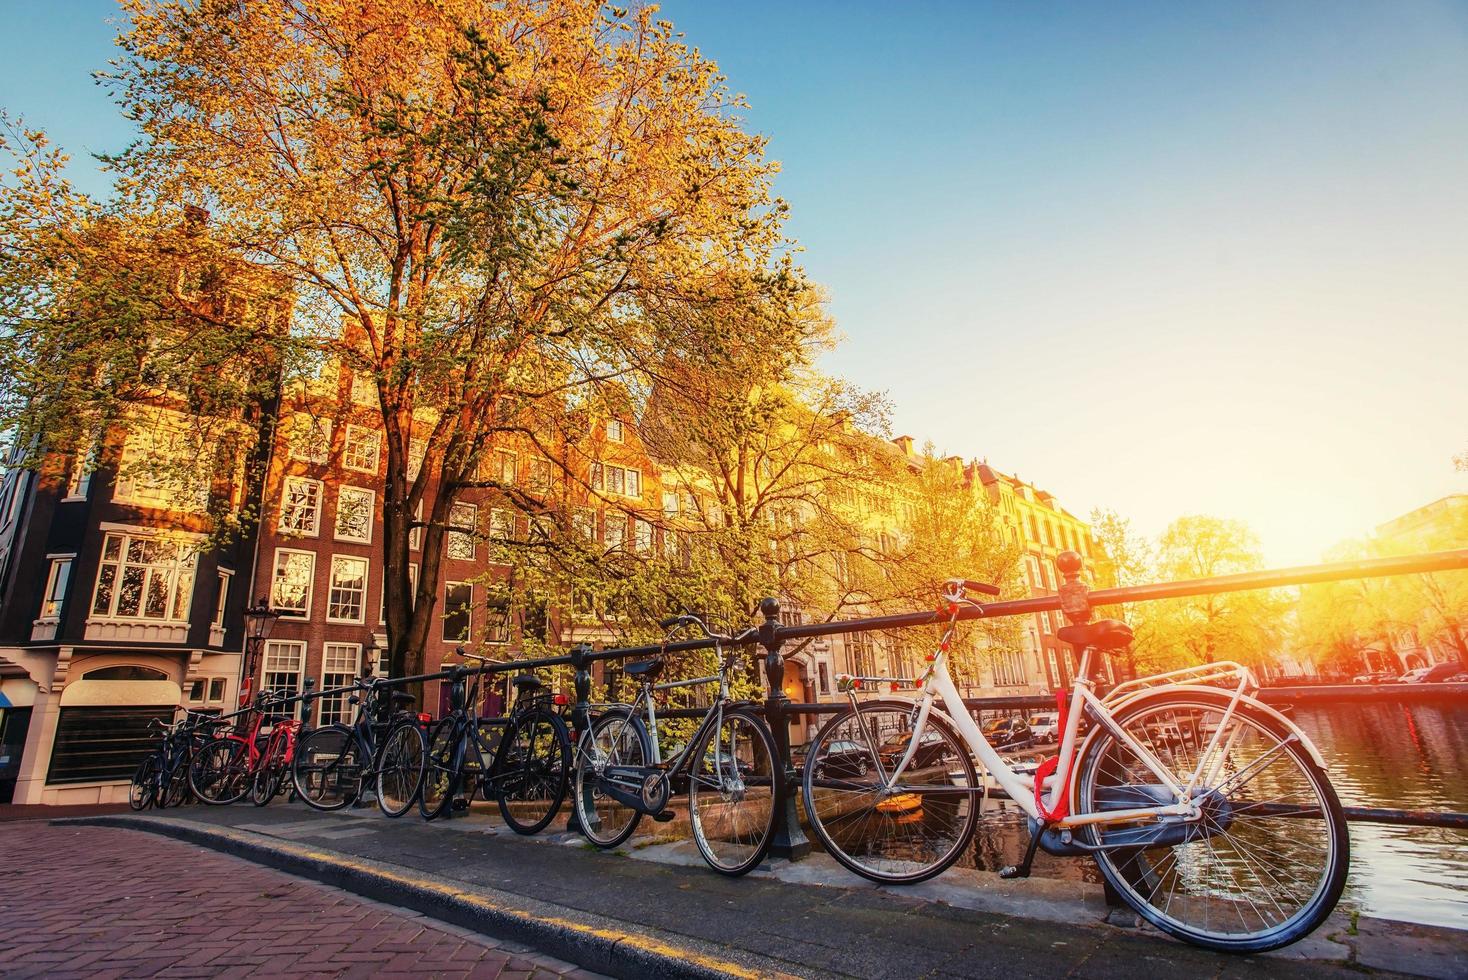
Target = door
(14,723)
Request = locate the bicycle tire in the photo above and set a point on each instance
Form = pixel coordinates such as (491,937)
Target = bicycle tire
(892,813)
(758,789)
(326,773)
(443,769)
(1213,875)
(602,820)
(545,772)
(176,783)
(219,773)
(400,769)
(143,788)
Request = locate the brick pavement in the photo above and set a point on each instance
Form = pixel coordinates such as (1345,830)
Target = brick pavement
(97,902)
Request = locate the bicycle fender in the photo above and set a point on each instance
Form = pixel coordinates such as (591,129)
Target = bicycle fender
(1273,713)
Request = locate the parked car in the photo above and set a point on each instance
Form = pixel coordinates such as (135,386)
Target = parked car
(1457,679)
(1438,673)
(1003,732)
(929,751)
(1375,677)
(844,758)
(1413,676)
(1045,727)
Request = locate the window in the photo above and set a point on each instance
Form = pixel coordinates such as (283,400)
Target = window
(216,689)
(504,468)
(616,525)
(310,438)
(501,524)
(56,583)
(300,506)
(354,511)
(284,660)
(670,504)
(144,578)
(361,449)
(617,480)
(583,522)
(457,598)
(497,621)
(340,664)
(823,674)
(614,430)
(415,534)
(461,542)
(348,594)
(1045,621)
(80,480)
(103,744)
(221,599)
(364,389)
(412,593)
(417,449)
(290,590)
(163,465)
(642,536)
(1009,669)
(540,474)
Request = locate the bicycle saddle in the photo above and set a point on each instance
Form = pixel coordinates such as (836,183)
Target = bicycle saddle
(646,669)
(526,682)
(1104,634)
(402,697)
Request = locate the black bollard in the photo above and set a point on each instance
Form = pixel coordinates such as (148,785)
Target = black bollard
(580,724)
(789,840)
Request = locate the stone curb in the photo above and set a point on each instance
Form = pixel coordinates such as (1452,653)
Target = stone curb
(589,941)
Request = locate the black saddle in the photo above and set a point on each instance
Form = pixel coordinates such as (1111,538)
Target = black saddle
(648,670)
(1104,634)
(526,682)
(402,697)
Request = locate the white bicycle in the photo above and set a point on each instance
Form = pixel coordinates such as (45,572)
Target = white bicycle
(1206,810)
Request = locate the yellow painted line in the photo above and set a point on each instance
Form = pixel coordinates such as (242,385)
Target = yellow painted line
(641,940)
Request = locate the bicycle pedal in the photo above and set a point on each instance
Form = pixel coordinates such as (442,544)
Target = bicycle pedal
(1013,871)
(664,817)
(460,803)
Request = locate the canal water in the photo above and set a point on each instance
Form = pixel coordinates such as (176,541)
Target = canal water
(1401,756)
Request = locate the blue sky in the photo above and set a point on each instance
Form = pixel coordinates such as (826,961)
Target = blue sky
(1167,258)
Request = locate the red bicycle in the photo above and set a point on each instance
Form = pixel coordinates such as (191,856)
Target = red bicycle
(228,767)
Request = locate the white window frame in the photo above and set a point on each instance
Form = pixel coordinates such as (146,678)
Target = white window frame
(275,646)
(363,389)
(303,423)
(615,432)
(58,579)
(184,566)
(417,452)
(310,587)
(503,459)
(642,539)
(336,522)
(610,519)
(222,597)
(354,434)
(331,587)
(339,709)
(288,506)
(501,524)
(455,540)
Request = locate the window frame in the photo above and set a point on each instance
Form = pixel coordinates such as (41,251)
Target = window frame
(53,574)
(186,550)
(331,588)
(456,533)
(265,670)
(347,440)
(467,609)
(336,525)
(310,588)
(285,491)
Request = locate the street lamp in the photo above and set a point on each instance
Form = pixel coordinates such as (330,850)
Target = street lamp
(259,621)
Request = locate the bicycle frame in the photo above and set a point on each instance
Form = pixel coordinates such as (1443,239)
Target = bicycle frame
(937,684)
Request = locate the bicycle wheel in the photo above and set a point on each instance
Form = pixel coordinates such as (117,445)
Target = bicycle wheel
(1266,861)
(175,782)
(144,787)
(441,777)
(531,774)
(400,772)
(732,793)
(617,738)
(899,833)
(326,771)
(220,772)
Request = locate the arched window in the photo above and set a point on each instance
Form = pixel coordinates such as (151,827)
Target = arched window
(127,672)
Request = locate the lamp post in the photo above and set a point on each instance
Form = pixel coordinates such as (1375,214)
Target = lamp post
(259,621)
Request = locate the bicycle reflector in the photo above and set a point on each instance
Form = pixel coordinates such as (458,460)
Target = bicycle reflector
(424,717)
(561,699)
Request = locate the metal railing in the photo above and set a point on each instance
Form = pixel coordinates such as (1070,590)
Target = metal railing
(1075,599)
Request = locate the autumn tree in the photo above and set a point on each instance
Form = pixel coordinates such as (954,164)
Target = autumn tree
(474,202)
(1353,624)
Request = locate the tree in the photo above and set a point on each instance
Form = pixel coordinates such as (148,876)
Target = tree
(1241,626)
(1353,624)
(475,203)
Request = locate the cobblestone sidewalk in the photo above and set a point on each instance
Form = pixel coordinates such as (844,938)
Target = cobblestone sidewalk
(99,903)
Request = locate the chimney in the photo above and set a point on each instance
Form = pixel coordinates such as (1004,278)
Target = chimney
(904,443)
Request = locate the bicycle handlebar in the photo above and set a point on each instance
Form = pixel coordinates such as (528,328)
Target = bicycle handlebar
(982,587)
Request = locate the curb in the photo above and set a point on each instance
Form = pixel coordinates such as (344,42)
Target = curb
(592,942)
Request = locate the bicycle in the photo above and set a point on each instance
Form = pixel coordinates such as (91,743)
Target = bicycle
(730,765)
(527,773)
(328,770)
(162,777)
(223,771)
(1155,794)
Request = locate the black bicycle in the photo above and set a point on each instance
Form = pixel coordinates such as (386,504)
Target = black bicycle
(728,766)
(383,747)
(529,767)
(162,777)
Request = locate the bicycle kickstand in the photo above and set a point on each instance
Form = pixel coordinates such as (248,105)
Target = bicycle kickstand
(1022,870)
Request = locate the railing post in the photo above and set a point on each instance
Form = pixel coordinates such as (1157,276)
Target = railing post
(306,703)
(580,722)
(1075,595)
(789,840)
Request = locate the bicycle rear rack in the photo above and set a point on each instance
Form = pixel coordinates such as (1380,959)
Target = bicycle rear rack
(1223,674)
